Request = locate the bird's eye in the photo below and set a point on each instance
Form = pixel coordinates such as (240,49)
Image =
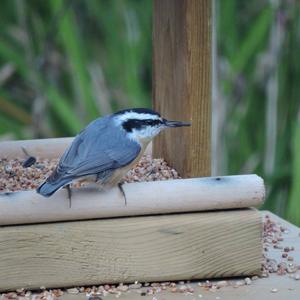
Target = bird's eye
(152,122)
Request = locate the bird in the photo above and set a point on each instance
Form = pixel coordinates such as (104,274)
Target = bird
(106,149)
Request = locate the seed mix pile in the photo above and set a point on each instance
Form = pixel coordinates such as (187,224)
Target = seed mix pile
(13,176)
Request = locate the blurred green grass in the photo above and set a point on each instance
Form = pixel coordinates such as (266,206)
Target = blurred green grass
(64,62)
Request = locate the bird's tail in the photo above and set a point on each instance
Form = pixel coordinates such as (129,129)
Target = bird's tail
(49,188)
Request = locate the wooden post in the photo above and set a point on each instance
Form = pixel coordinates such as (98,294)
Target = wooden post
(182,82)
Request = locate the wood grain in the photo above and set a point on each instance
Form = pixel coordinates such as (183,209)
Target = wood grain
(144,198)
(153,248)
(182,82)
(259,289)
(42,148)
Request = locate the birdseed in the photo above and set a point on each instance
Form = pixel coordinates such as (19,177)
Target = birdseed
(15,177)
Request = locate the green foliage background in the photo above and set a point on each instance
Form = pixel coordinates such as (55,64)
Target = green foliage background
(65,62)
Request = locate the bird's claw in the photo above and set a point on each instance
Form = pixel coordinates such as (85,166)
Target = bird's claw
(69,194)
(120,186)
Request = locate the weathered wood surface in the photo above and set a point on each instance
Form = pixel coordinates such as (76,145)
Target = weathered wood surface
(152,248)
(158,197)
(42,148)
(182,82)
(288,288)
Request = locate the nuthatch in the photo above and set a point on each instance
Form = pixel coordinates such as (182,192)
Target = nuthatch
(107,149)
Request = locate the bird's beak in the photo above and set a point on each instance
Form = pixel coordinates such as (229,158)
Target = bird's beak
(176,123)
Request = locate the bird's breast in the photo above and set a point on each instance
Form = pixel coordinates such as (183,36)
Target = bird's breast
(119,173)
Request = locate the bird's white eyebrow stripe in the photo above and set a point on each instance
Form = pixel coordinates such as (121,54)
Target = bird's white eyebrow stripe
(138,116)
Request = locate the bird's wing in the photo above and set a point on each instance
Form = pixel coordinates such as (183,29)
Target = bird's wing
(101,146)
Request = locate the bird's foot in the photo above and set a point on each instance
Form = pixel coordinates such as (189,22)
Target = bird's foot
(120,186)
(69,194)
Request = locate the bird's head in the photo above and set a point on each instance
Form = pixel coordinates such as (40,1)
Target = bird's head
(143,124)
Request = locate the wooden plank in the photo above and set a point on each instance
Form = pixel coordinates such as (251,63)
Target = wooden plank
(153,248)
(182,82)
(42,148)
(259,289)
(143,198)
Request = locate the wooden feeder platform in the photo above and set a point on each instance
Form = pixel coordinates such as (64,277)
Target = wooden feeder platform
(168,230)
(180,229)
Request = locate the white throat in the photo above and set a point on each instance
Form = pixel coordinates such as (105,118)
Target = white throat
(144,135)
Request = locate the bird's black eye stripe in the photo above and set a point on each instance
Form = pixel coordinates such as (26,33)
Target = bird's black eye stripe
(131,124)
(152,122)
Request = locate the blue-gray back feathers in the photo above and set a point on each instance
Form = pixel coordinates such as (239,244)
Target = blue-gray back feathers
(101,147)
